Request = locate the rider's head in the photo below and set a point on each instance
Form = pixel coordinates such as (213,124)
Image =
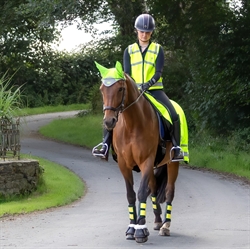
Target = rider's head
(145,23)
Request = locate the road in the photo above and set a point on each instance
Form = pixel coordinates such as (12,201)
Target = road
(209,210)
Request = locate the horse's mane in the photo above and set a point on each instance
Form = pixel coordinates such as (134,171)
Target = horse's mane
(132,81)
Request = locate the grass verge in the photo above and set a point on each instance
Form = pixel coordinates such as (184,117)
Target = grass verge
(59,187)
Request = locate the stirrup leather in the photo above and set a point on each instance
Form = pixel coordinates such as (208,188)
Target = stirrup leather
(177,159)
(98,154)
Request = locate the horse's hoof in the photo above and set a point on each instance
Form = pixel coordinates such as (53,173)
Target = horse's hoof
(141,233)
(141,240)
(164,231)
(157,226)
(130,232)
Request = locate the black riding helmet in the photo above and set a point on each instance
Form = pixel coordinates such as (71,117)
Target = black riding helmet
(145,23)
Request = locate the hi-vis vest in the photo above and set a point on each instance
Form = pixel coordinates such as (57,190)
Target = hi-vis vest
(139,66)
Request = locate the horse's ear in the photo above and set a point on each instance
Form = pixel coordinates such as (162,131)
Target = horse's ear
(118,67)
(103,70)
(126,76)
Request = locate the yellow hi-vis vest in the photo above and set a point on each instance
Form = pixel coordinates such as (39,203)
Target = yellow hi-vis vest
(143,70)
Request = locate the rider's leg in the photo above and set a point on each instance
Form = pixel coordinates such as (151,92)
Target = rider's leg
(103,152)
(176,133)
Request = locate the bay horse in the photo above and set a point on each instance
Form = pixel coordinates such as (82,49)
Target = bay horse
(134,123)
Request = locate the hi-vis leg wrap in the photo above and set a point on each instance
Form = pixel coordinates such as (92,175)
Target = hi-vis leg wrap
(156,205)
(153,199)
(168,211)
(132,212)
(143,209)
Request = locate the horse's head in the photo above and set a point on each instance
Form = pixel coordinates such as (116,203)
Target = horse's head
(113,93)
(119,92)
(113,102)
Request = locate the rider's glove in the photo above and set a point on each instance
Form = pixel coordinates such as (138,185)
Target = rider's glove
(147,85)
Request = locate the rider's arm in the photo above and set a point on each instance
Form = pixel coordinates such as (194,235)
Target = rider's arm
(126,62)
(159,63)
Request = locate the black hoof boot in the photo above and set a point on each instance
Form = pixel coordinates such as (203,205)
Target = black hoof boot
(130,232)
(141,233)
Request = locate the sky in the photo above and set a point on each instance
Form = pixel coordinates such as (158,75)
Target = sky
(72,37)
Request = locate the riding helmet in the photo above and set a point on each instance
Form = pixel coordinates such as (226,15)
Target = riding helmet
(145,23)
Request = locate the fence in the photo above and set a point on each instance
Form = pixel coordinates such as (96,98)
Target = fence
(10,138)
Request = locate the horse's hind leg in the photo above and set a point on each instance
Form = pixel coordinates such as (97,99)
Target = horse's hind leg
(157,212)
(159,196)
(173,169)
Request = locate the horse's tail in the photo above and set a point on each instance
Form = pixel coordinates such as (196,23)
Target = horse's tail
(161,176)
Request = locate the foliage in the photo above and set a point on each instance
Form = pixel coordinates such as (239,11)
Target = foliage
(206,44)
(10,98)
(209,42)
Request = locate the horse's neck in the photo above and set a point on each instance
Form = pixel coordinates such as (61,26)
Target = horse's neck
(136,105)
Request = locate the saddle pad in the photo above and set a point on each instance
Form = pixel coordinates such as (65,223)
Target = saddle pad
(164,112)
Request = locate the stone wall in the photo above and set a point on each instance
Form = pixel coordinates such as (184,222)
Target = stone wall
(19,177)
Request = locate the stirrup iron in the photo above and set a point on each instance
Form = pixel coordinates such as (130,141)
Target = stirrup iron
(177,159)
(100,155)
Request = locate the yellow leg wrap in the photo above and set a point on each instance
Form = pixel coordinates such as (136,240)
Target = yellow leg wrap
(168,212)
(131,210)
(143,209)
(153,199)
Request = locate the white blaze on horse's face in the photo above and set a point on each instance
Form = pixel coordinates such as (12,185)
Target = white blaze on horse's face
(113,103)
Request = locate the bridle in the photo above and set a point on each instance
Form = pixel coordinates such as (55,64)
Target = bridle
(120,107)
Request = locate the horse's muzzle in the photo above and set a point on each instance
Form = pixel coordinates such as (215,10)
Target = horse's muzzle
(110,123)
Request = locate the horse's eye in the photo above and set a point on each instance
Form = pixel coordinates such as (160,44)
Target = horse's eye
(121,89)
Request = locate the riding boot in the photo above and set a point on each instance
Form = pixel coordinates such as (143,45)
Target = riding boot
(178,153)
(103,152)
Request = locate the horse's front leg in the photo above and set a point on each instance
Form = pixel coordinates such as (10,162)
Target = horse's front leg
(147,182)
(131,197)
(173,169)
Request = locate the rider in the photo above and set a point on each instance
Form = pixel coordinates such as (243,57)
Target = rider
(144,61)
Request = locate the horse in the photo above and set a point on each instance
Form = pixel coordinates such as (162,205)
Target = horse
(134,124)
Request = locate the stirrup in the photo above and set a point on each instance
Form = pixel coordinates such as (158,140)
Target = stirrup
(103,156)
(177,159)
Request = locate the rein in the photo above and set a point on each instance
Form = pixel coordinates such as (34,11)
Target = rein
(121,108)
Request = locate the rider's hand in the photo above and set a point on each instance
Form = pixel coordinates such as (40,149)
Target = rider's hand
(145,86)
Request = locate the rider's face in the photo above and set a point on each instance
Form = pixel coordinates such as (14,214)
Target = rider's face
(144,36)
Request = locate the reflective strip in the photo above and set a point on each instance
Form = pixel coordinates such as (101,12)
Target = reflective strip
(153,198)
(131,209)
(142,212)
(168,216)
(184,130)
(143,205)
(131,216)
(154,206)
(169,207)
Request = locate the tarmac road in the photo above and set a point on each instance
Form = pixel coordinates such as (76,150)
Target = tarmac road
(209,211)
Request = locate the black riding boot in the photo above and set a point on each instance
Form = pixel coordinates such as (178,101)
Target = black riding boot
(178,153)
(103,152)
